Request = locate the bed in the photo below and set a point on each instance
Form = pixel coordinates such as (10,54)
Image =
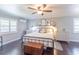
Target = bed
(45,38)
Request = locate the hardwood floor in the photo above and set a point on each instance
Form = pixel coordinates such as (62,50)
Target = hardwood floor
(71,48)
(14,48)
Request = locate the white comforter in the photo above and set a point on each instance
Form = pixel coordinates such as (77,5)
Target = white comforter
(43,35)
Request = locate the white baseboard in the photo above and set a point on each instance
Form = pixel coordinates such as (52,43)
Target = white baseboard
(69,40)
(74,41)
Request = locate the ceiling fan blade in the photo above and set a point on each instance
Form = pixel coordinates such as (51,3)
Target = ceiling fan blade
(44,5)
(31,8)
(38,8)
(47,10)
(34,12)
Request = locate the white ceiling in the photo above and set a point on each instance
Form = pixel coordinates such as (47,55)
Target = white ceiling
(59,10)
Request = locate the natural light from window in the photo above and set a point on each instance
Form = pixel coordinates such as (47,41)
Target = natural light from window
(8,25)
(76,25)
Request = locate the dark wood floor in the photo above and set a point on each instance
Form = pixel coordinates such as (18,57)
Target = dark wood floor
(14,48)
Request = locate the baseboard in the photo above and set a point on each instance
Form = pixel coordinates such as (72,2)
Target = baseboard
(74,41)
(68,40)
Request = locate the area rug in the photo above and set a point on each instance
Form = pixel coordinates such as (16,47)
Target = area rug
(58,46)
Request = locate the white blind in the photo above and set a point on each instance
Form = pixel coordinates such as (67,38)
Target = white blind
(4,25)
(13,25)
(8,25)
(76,25)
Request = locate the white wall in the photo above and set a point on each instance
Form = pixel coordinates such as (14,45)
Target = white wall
(10,37)
(67,24)
(32,23)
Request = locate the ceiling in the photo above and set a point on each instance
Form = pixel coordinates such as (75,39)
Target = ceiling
(21,10)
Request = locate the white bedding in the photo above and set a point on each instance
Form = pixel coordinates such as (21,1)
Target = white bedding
(43,35)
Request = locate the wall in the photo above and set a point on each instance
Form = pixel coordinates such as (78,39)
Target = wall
(65,29)
(32,23)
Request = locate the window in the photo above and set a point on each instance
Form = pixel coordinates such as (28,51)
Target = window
(76,25)
(13,25)
(8,25)
(4,25)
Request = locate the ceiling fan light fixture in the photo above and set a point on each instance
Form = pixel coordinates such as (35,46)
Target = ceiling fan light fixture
(39,12)
(40,9)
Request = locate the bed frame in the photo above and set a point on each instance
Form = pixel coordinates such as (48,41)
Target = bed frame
(39,40)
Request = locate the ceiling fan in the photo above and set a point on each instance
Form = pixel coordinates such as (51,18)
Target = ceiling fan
(40,9)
